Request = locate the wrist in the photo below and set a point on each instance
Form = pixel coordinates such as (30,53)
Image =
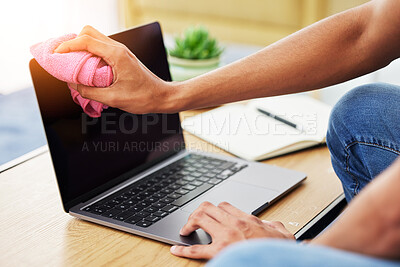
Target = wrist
(175,97)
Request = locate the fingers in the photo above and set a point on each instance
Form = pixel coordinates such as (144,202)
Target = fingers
(207,209)
(194,252)
(200,219)
(89,30)
(100,94)
(91,45)
(279,227)
(232,210)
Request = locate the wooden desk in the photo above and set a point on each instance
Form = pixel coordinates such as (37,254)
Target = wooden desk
(34,230)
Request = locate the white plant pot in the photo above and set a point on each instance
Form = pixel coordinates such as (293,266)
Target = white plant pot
(184,69)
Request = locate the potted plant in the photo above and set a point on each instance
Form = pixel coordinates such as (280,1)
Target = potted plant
(194,53)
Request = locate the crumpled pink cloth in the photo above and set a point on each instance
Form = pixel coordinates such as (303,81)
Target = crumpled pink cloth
(75,67)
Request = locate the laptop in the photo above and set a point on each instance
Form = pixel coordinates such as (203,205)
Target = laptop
(132,172)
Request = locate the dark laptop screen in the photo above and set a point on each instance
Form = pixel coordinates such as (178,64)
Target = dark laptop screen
(92,154)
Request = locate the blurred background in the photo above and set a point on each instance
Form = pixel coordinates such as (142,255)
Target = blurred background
(242,27)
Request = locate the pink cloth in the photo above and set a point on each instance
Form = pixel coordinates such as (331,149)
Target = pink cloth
(75,67)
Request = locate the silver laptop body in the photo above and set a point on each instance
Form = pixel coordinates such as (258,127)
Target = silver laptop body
(97,159)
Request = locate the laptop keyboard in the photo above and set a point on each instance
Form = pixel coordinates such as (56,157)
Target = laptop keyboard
(152,198)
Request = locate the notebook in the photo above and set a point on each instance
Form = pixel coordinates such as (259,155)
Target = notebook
(241,129)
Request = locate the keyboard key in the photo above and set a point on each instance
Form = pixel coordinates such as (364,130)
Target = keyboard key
(191,195)
(182,191)
(154,180)
(203,171)
(141,187)
(196,183)
(124,215)
(133,219)
(144,224)
(130,202)
(175,186)
(216,162)
(123,206)
(215,181)
(151,209)
(143,214)
(159,195)
(136,208)
(152,218)
(203,179)
(167,191)
(181,182)
(196,174)
(88,208)
(226,165)
(169,208)
(142,204)
(210,175)
(159,205)
(98,210)
(128,195)
(152,199)
(111,213)
(146,194)
(198,165)
(114,202)
(188,187)
(216,171)
(139,197)
(167,200)
(121,198)
(174,195)
(160,213)
(190,169)
(170,180)
(238,167)
(163,184)
(188,178)
(146,203)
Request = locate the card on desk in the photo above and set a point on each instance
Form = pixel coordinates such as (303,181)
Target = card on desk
(244,131)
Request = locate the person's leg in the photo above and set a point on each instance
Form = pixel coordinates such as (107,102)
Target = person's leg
(288,253)
(364,134)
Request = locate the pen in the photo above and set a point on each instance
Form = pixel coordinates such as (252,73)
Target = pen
(278,118)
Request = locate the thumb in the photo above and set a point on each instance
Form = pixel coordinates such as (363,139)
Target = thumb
(100,94)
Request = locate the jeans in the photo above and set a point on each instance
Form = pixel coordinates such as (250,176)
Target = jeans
(364,134)
(277,253)
(363,139)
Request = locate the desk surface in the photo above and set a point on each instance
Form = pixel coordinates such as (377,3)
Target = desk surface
(34,229)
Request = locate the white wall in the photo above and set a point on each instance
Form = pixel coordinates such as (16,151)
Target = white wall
(26,22)
(389,74)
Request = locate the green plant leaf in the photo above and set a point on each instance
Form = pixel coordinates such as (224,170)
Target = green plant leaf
(196,43)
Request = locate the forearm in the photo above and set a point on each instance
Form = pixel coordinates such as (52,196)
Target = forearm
(371,223)
(331,51)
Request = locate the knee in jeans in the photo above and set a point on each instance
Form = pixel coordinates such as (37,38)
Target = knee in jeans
(344,121)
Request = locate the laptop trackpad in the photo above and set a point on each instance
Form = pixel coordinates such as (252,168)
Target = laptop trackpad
(245,197)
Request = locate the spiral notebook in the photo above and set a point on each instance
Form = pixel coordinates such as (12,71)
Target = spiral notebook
(242,130)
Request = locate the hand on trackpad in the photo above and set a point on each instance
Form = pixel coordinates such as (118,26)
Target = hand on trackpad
(245,197)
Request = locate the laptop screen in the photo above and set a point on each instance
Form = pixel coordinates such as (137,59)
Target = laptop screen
(90,155)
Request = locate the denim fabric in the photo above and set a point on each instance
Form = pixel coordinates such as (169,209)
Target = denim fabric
(364,139)
(364,134)
(287,253)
